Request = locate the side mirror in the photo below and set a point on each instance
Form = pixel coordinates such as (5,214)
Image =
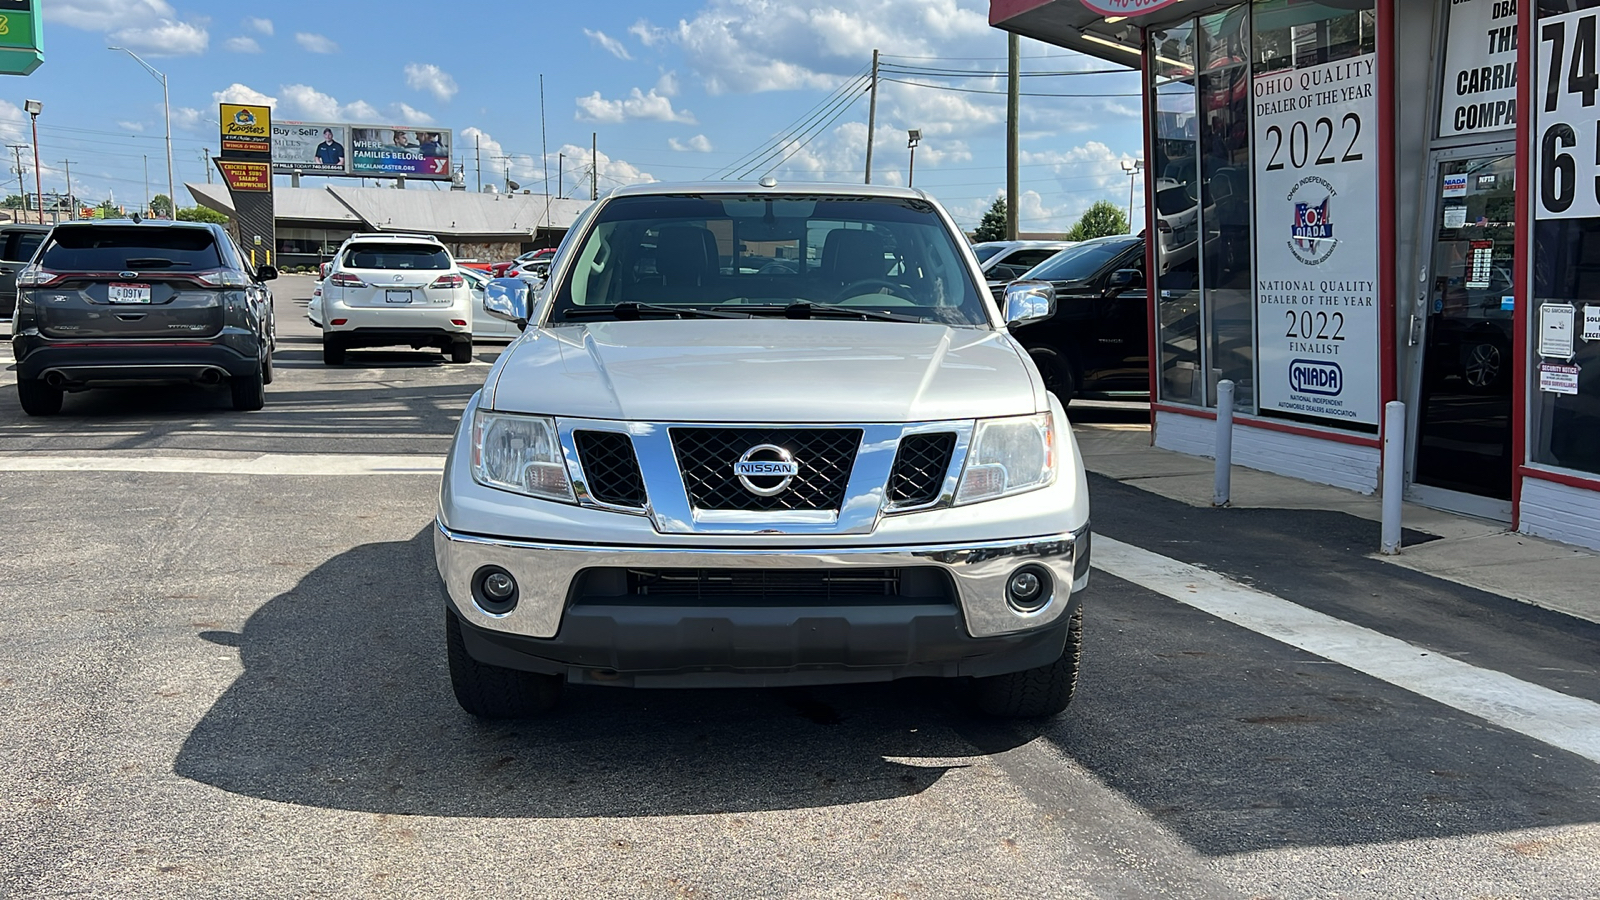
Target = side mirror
(507,298)
(266,273)
(1028,302)
(1124,279)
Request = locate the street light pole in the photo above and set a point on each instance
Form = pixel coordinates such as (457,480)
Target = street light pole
(1133,167)
(914,137)
(166,103)
(34,107)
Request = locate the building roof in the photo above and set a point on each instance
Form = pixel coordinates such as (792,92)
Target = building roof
(444,213)
(1071,24)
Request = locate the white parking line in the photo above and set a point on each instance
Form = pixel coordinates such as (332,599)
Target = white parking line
(1570,723)
(265,464)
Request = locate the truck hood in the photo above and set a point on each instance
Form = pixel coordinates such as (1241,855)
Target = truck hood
(765,370)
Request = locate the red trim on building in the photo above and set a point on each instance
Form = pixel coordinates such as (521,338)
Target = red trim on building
(1388,305)
(1001,10)
(1527,27)
(1576,481)
(1152,279)
(1337,437)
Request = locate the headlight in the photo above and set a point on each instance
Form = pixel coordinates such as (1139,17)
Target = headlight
(519,454)
(1008,456)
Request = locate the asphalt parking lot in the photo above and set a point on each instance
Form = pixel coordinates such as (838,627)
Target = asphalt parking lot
(226,677)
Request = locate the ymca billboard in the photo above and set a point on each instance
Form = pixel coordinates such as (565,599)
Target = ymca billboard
(370,151)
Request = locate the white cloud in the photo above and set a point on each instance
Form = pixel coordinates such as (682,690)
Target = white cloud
(699,144)
(167,37)
(637,105)
(649,35)
(411,116)
(315,43)
(667,84)
(259,26)
(528,170)
(241,45)
(307,101)
(130,126)
(11,115)
(239,93)
(608,43)
(188,118)
(107,15)
(429,77)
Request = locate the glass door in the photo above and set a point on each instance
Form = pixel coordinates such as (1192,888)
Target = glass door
(1463,408)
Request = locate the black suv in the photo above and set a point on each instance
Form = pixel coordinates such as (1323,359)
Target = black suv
(1097,345)
(17,243)
(127,302)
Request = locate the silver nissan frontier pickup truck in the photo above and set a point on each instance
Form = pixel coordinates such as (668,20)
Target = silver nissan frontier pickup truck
(763,435)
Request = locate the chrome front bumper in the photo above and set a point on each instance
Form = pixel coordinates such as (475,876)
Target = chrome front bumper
(545,573)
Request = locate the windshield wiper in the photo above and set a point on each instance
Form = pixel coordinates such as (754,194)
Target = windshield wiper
(805,309)
(155,262)
(628,310)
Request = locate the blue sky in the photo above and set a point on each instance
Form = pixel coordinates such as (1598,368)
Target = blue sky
(675,90)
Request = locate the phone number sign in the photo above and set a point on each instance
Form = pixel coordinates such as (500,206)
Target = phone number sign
(1567,129)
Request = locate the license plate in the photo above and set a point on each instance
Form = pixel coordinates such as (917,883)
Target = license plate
(128,293)
(397,296)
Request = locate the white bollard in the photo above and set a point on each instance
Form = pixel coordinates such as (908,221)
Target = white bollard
(1223,483)
(1394,468)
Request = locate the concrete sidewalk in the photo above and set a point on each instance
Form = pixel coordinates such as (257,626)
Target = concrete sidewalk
(1472,552)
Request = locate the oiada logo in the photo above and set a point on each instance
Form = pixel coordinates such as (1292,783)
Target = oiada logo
(1310,376)
(1311,232)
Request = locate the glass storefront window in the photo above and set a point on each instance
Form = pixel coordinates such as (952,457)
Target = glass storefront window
(1225,203)
(1176,171)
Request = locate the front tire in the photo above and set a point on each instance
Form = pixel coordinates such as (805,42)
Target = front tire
(1057,372)
(461,352)
(38,398)
(1040,692)
(492,692)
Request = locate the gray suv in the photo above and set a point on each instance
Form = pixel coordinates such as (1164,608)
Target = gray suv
(126,302)
(17,243)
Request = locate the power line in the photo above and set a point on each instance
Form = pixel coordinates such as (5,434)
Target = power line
(781,137)
(931,72)
(945,87)
(820,128)
(839,107)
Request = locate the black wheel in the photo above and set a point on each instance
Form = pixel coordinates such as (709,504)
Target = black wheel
(491,692)
(249,391)
(461,352)
(266,369)
(332,351)
(1034,693)
(1057,372)
(38,398)
(1483,366)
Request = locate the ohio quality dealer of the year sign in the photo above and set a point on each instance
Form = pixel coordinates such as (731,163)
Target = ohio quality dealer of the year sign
(1317,241)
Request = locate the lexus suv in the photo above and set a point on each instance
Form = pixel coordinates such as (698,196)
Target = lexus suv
(757,436)
(394,289)
(124,303)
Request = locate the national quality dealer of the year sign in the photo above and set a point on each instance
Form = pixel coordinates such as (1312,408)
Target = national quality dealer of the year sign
(1317,241)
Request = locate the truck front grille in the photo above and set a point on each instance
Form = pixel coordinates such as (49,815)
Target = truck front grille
(920,466)
(763,587)
(610,467)
(825,456)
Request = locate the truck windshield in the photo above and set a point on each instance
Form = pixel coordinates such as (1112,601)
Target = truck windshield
(766,254)
(1081,262)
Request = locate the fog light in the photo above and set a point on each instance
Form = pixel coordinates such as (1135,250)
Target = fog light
(494,590)
(1028,589)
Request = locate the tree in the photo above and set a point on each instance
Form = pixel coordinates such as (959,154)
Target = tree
(993,225)
(201,214)
(161,206)
(1101,219)
(13,201)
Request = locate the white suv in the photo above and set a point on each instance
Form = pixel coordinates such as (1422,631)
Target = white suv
(386,290)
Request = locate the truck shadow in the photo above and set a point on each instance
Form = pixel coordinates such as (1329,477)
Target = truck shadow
(345,703)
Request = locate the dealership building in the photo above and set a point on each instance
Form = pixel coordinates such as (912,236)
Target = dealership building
(312,222)
(1362,201)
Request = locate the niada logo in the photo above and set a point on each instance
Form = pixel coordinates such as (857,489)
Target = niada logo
(1311,237)
(1308,376)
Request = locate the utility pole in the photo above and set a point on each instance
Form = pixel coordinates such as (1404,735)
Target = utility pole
(34,107)
(594,165)
(872,112)
(67,163)
(477,154)
(22,186)
(205,161)
(544,153)
(561,175)
(1013,88)
(146,210)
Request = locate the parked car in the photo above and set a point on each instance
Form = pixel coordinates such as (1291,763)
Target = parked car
(694,473)
(118,303)
(484,325)
(535,269)
(500,269)
(390,289)
(17,243)
(1005,261)
(1097,345)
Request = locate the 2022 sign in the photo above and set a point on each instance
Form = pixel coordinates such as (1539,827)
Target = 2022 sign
(1568,123)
